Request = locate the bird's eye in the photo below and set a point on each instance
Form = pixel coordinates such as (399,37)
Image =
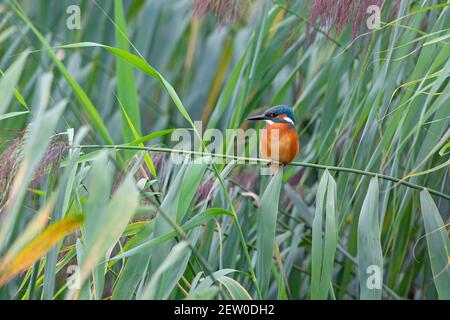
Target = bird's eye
(271,115)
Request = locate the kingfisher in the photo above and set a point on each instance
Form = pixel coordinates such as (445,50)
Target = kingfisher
(281,146)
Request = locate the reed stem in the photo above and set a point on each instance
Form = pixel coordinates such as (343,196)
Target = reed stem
(265,161)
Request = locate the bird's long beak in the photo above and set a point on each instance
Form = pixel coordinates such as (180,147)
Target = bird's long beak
(258,117)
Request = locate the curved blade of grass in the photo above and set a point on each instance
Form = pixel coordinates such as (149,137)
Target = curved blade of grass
(127,92)
(438,244)
(440,166)
(234,288)
(267,220)
(142,65)
(83,98)
(208,281)
(12,114)
(443,150)
(370,256)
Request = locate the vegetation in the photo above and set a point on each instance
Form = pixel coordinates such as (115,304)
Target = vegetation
(92,205)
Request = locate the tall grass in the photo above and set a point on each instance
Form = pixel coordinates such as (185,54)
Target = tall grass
(92,207)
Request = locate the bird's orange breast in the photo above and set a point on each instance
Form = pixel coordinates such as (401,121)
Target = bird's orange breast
(279,142)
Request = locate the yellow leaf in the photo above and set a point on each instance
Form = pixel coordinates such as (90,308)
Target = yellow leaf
(37,248)
(221,72)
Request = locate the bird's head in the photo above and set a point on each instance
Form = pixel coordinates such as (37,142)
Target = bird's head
(283,114)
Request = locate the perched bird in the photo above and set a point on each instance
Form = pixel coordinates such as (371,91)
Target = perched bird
(279,139)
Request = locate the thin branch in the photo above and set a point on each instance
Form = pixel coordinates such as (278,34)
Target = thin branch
(266,161)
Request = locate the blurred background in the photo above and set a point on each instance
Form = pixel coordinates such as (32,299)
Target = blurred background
(372,99)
